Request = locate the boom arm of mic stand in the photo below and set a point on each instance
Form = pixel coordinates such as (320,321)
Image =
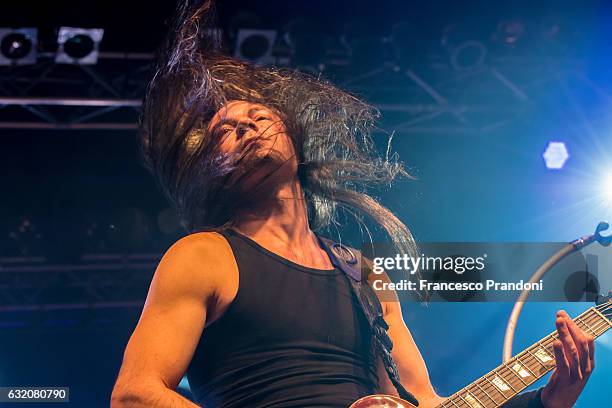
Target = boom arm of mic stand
(546,266)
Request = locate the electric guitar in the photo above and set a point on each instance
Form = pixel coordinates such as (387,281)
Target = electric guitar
(509,379)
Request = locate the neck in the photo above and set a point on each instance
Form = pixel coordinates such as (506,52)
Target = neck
(281,224)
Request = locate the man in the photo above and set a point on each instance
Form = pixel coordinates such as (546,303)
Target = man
(249,304)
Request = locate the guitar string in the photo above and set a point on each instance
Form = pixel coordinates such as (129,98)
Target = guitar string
(605,308)
(589,320)
(595,321)
(480,398)
(469,390)
(545,343)
(494,392)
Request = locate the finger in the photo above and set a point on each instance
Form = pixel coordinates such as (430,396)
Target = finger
(563,368)
(591,342)
(562,313)
(569,348)
(581,341)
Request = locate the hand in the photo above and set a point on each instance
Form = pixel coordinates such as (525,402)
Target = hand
(575,358)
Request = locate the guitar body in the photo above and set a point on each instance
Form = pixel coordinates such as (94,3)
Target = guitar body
(381,401)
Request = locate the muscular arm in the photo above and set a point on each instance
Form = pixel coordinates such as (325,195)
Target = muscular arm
(573,354)
(182,291)
(410,363)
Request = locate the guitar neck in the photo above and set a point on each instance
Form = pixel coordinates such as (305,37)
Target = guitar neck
(512,377)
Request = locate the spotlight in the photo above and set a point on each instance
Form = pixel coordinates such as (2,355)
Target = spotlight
(18,47)
(78,45)
(555,155)
(255,45)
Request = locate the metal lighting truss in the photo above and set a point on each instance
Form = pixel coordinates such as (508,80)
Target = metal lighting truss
(428,97)
(48,95)
(31,287)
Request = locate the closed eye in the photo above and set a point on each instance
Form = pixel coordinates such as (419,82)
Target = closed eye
(260,118)
(224,130)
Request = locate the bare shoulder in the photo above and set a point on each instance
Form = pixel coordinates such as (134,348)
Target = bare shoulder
(182,297)
(198,263)
(199,247)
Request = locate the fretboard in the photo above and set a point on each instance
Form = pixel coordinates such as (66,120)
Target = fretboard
(500,385)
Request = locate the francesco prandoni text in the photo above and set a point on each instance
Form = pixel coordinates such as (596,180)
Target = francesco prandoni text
(457,264)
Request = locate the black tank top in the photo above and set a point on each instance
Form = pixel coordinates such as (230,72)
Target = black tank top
(292,337)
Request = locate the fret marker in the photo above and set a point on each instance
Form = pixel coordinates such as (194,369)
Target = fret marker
(543,356)
(471,400)
(499,383)
(520,370)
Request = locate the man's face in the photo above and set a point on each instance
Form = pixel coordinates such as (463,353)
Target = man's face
(239,124)
(253,130)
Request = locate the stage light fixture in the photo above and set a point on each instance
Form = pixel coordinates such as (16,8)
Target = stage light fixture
(78,45)
(556,155)
(255,45)
(18,46)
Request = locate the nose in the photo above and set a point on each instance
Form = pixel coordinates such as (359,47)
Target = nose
(244,127)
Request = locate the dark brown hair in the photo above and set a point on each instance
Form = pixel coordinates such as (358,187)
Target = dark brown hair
(330,128)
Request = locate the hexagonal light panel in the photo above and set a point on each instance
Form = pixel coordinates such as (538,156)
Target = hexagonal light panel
(555,155)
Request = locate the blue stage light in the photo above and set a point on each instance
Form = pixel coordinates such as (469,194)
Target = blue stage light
(555,155)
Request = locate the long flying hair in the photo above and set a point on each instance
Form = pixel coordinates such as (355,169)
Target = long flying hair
(330,130)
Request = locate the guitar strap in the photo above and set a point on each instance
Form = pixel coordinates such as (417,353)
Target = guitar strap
(348,260)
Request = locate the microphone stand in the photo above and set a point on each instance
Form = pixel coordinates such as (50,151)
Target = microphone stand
(546,266)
